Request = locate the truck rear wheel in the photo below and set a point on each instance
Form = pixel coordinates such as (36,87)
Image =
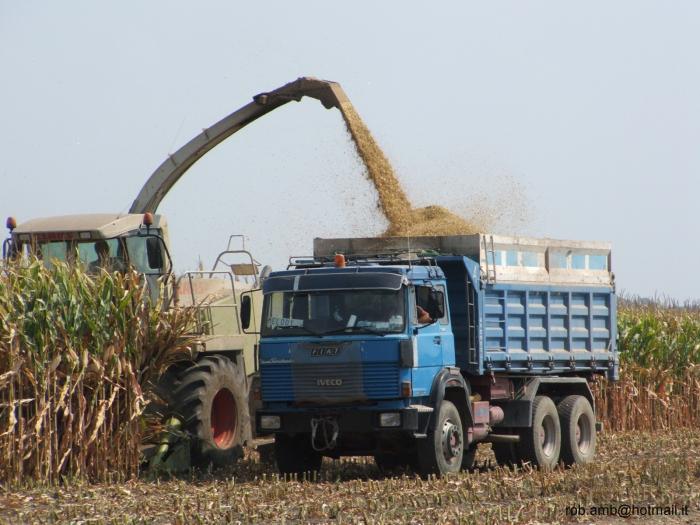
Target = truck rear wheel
(442,451)
(578,438)
(295,455)
(212,402)
(540,444)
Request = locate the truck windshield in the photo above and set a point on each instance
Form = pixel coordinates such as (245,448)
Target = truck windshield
(334,311)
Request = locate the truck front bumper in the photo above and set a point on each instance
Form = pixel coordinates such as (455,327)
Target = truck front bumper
(410,419)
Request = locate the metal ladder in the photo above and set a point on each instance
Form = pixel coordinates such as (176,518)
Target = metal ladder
(490,269)
(471,312)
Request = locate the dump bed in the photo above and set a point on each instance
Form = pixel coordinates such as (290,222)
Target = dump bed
(518,305)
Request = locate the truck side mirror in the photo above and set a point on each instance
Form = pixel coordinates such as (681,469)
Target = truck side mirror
(436,304)
(246,310)
(154,252)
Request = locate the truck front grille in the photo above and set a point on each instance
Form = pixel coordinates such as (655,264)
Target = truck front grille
(323,383)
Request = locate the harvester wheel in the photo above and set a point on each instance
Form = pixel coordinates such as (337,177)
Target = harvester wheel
(540,444)
(441,452)
(212,402)
(578,436)
(295,455)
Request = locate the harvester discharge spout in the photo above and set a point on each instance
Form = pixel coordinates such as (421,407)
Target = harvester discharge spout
(330,94)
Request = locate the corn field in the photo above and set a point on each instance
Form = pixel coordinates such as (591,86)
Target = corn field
(75,354)
(659,389)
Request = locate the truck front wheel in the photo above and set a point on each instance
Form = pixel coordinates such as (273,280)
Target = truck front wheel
(295,455)
(578,437)
(540,444)
(441,452)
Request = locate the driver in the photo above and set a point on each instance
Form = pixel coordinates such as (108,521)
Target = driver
(423,315)
(104,260)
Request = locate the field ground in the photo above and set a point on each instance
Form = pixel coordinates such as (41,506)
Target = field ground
(633,469)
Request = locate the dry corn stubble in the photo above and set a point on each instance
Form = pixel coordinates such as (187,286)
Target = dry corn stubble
(632,468)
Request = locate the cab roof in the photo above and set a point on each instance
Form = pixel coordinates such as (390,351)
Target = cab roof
(104,225)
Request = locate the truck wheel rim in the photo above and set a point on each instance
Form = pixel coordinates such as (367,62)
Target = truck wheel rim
(547,433)
(451,441)
(223,418)
(583,434)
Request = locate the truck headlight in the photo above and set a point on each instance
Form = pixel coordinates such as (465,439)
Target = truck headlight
(390,419)
(270,422)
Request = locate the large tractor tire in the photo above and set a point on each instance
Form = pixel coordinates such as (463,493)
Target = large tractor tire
(295,455)
(578,437)
(212,402)
(442,450)
(540,444)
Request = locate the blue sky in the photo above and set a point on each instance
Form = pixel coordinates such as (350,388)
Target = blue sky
(561,119)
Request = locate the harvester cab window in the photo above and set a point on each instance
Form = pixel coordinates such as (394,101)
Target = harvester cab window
(146,253)
(105,254)
(49,252)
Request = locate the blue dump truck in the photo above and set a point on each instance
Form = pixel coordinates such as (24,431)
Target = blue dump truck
(413,350)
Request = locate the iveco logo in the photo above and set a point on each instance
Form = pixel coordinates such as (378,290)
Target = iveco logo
(324,351)
(329,382)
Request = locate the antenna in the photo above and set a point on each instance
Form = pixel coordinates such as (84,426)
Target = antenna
(408,246)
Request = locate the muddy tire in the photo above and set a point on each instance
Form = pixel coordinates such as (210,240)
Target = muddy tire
(295,455)
(442,451)
(212,402)
(541,443)
(578,435)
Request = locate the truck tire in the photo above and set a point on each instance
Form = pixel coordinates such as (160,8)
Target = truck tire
(442,450)
(295,455)
(540,444)
(212,402)
(578,437)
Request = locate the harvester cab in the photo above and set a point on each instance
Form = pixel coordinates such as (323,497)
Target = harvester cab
(112,242)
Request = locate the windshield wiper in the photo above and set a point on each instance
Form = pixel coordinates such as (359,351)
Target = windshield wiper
(307,330)
(352,328)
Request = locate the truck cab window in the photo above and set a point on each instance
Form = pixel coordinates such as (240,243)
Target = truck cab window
(430,304)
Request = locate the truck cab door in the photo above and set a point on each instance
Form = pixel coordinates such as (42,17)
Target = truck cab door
(434,343)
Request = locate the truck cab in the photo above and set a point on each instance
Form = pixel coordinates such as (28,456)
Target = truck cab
(411,358)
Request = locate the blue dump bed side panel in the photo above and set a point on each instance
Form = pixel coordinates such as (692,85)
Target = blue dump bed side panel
(546,329)
(529,328)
